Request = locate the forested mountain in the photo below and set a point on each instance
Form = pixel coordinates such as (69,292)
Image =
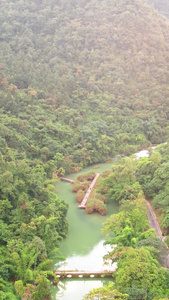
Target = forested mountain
(79,82)
(81,78)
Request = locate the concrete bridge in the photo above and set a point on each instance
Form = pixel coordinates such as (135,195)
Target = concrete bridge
(83,274)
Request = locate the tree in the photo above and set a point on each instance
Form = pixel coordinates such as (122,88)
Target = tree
(128,226)
(42,289)
(136,267)
(136,293)
(159,245)
(24,262)
(106,293)
(121,183)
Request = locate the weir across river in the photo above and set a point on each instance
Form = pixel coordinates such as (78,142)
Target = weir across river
(80,274)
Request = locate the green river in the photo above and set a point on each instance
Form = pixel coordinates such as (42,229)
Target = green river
(83,247)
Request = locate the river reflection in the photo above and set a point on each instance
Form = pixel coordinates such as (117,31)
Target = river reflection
(76,289)
(90,262)
(83,247)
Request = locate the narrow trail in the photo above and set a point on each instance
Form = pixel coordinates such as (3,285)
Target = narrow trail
(154,224)
(67,179)
(153,221)
(83,203)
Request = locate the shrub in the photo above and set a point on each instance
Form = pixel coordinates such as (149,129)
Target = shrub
(80,186)
(80,195)
(96,205)
(88,176)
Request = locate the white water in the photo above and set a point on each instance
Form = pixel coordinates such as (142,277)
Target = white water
(143,153)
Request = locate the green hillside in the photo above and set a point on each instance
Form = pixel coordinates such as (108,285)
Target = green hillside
(80,81)
(82,78)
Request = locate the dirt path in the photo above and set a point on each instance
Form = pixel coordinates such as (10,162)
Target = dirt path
(154,224)
(83,203)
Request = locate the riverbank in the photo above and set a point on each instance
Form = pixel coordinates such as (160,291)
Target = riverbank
(84,232)
(83,247)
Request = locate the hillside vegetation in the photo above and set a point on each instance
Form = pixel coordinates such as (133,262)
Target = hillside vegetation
(84,79)
(80,81)
(141,256)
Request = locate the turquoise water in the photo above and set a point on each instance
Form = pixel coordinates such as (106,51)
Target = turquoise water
(83,247)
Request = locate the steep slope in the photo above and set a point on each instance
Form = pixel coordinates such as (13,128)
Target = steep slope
(91,75)
(80,81)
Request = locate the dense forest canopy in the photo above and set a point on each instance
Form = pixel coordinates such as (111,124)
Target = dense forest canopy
(81,78)
(80,81)
(141,256)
